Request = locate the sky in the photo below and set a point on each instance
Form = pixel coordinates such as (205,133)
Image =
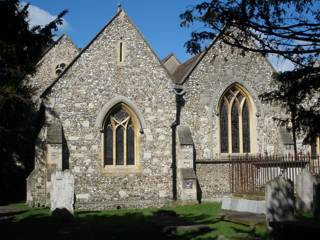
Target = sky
(158,21)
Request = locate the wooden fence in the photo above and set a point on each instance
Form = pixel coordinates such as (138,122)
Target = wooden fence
(249,174)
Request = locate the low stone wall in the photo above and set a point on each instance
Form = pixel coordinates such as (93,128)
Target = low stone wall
(97,206)
(213,181)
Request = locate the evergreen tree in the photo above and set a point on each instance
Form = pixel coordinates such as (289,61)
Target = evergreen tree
(21,47)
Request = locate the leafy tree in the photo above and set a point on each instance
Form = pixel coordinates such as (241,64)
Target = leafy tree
(20,49)
(287,28)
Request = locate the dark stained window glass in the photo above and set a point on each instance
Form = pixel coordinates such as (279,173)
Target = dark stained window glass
(108,146)
(223,128)
(246,128)
(130,145)
(119,146)
(235,129)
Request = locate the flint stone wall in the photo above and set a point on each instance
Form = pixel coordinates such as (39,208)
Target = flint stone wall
(219,68)
(213,180)
(77,98)
(63,51)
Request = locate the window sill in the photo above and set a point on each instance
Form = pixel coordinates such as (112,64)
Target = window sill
(235,155)
(121,170)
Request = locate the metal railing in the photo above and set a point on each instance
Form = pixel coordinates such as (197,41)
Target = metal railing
(249,174)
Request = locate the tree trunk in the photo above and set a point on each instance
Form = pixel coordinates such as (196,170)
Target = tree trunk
(294,133)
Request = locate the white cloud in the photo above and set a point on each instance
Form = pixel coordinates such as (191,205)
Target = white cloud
(280,64)
(38,16)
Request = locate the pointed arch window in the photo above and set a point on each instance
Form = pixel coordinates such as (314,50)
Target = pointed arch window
(235,121)
(120,137)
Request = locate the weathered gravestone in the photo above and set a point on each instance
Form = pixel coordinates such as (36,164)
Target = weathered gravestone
(62,191)
(316,200)
(279,200)
(304,188)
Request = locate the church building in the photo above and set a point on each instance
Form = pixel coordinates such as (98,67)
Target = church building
(138,131)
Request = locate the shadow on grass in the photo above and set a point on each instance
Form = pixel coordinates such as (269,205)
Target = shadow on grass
(155,225)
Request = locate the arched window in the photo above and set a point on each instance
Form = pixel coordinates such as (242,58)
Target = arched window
(235,121)
(120,137)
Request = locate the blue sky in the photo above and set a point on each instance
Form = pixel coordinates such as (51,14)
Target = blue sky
(157,20)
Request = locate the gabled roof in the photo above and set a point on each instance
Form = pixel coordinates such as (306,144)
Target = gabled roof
(121,11)
(185,69)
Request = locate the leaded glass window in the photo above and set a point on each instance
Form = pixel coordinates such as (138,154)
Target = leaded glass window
(108,145)
(120,137)
(235,128)
(224,128)
(246,128)
(235,121)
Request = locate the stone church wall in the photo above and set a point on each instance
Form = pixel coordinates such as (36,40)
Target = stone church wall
(63,51)
(93,81)
(217,70)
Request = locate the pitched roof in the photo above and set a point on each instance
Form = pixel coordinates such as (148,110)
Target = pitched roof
(121,11)
(184,69)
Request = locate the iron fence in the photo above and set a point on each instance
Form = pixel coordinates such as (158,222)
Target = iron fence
(249,174)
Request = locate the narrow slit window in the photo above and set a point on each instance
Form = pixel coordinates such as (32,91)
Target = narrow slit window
(120,52)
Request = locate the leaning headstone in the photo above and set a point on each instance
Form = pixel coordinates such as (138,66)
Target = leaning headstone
(316,200)
(62,191)
(304,188)
(279,200)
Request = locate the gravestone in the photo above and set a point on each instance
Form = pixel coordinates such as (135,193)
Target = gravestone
(62,191)
(279,200)
(316,200)
(304,188)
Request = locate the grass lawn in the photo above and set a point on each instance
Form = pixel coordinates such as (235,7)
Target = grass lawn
(129,224)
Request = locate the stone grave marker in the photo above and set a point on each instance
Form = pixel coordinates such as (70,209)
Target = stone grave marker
(279,200)
(62,191)
(304,188)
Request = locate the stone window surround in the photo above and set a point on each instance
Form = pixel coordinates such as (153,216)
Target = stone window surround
(121,52)
(253,145)
(140,125)
(134,120)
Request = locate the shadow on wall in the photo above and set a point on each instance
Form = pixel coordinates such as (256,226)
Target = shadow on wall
(199,191)
(65,152)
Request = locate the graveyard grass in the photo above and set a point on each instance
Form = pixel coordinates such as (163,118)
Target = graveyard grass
(37,223)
